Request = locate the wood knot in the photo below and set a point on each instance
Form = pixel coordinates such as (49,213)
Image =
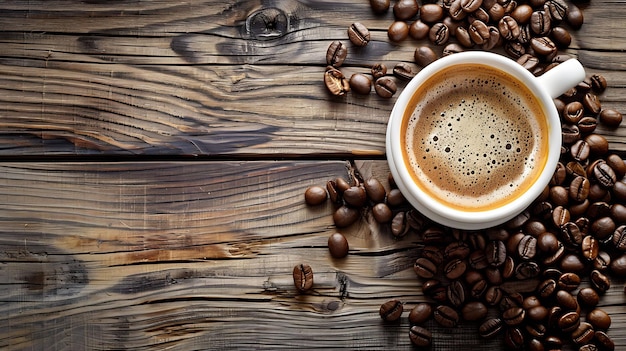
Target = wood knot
(267,24)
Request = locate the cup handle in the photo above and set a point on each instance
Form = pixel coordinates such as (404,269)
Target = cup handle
(562,77)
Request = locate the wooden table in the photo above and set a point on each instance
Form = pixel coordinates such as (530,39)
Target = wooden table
(154,159)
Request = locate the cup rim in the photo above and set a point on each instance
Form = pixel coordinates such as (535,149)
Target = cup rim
(431,207)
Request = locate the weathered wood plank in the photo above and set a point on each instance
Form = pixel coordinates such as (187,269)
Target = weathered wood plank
(167,78)
(198,255)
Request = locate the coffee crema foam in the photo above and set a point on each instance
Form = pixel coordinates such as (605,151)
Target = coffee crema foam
(477,137)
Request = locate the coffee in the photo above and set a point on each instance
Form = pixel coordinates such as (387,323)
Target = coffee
(476,138)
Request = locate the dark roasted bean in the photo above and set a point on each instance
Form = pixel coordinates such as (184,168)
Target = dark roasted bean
(405,9)
(490,328)
(424,268)
(303,277)
(391,310)
(398,31)
(358,34)
(360,84)
(439,34)
(336,54)
(385,87)
(338,245)
(424,55)
(379,70)
(403,71)
(540,23)
(420,313)
(420,336)
(446,316)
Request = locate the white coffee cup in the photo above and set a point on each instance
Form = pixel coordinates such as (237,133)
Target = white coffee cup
(544,88)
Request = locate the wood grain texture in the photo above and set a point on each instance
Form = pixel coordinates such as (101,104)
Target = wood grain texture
(198,256)
(199,78)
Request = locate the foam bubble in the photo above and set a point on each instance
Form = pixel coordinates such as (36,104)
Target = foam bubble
(480,145)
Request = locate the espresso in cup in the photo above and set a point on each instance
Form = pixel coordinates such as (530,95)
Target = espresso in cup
(475,137)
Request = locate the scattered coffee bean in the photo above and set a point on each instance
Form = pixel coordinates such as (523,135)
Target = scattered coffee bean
(303,277)
(358,34)
(380,6)
(446,316)
(315,195)
(405,9)
(338,245)
(610,117)
(385,87)
(360,84)
(403,71)
(398,31)
(336,82)
(391,310)
(420,313)
(420,336)
(424,55)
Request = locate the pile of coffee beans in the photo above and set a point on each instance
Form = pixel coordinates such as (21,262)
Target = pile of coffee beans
(543,272)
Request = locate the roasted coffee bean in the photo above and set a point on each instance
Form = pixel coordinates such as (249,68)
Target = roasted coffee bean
(583,334)
(527,247)
(399,225)
(527,270)
(537,313)
(572,263)
(603,227)
(587,297)
(493,275)
(403,71)
(522,13)
(552,342)
(493,40)
(420,336)
(514,49)
(355,196)
(543,209)
(592,103)
(457,249)
(552,273)
(446,316)
(405,9)
(391,310)
(610,117)
(303,277)
(546,288)
(336,82)
(580,150)
(604,340)
(573,112)
(478,260)
(434,254)
(425,268)
(496,253)
(566,301)
(434,290)
(559,175)
(452,48)
(554,314)
(456,293)
(496,12)
(568,281)
(380,6)
(455,268)
(600,282)
(575,16)
(587,124)
(561,37)
(618,265)
(508,27)
(570,134)
(569,321)
(619,238)
(480,14)
(379,70)
(604,174)
(315,195)
(385,87)
(398,31)
(360,84)
(345,216)
(575,169)
(540,23)
(528,61)
(571,234)
(599,319)
(418,30)
(463,37)
(382,213)
(455,10)
(543,46)
(479,288)
(493,295)
(358,34)
(490,328)
(439,34)
(579,189)
(513,316)
(559,196)
(514,338)
(560,216)
(598,83)
(333,192)
(424,55)
(535,345)
(602,261)
(598,145)
(511,300)
(336,54)
(431,13)
(375,190)
(619,191)
(618,211)
(479,32)
(536,330)
(420,313)
(474,311)
(547,242)
(338,245)
(590,247)
(557,9)
(556,256)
